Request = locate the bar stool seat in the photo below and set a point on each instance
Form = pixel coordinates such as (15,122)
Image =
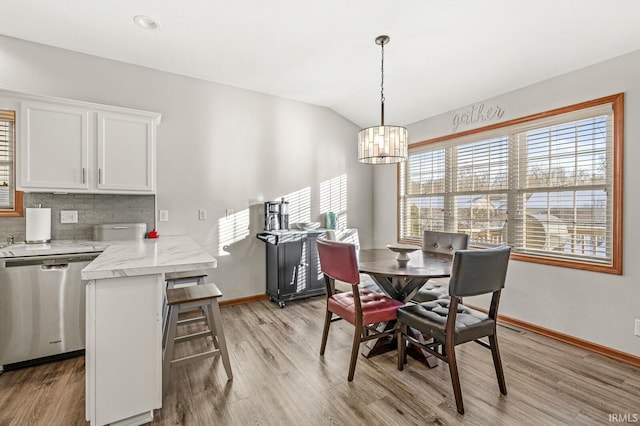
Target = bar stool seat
(182,279)
(185,277)
(204,297)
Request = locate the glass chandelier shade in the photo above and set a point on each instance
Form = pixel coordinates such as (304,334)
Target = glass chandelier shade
(382,144)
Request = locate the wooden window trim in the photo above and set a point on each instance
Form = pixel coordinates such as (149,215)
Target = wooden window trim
(617,102)
(18,210)
(18,204)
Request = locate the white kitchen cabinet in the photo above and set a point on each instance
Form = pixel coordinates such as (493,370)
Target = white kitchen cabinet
(125,152)
(124,304)
(71,146)
(53,147)
(124,349)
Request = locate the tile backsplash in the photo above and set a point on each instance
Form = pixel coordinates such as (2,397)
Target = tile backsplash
(93,209)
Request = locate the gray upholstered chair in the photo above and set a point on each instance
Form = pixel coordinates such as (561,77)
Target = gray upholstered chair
(439,242)
(450,323)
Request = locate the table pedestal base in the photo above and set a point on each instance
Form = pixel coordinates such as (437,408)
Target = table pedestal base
(386,344)
(401,287)
(422,356)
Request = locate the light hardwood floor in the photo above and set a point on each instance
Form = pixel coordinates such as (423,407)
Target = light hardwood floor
(280,379)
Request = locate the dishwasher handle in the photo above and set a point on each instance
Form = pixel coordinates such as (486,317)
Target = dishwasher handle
(55,267)
(52,260)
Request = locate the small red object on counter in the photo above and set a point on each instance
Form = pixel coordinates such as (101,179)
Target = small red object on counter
(153,234)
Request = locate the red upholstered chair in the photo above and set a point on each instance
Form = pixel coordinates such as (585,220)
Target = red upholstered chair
(361,307)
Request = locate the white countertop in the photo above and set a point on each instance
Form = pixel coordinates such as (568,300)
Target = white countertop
(149,256)
(125,258)
(53,248)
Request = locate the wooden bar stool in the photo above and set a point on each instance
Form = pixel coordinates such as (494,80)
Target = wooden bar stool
(204,297)
(182,279)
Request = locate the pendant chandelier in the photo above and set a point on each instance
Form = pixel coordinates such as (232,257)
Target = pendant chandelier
(382,144)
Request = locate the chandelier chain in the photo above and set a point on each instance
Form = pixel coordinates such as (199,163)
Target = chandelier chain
(382,75)
(382,144)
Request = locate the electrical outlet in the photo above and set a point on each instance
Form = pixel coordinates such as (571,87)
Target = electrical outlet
(68,216)
(164,216)
(202,214)
(638,327)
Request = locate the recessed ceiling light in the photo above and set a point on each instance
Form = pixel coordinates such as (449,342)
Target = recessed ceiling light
(146,22)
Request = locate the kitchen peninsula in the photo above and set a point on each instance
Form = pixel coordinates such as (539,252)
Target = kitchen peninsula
(124,325)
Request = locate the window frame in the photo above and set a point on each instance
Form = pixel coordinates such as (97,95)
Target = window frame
(17,210)
(617,105)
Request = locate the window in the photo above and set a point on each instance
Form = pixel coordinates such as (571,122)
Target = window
(548,185)
(333,198)
(10,199)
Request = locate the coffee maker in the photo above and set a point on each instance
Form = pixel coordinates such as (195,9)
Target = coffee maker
(284,214)
(276,215)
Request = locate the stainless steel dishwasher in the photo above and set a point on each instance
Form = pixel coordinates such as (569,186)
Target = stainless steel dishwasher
(42,307)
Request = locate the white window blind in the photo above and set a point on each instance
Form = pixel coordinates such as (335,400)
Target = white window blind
(333,198)
(543,186)
(7,173)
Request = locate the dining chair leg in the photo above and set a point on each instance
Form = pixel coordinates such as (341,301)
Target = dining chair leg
(325,333)
(455,378)
(354,351)
(402,346)
(493,342)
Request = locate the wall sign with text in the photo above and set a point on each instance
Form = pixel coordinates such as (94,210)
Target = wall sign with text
(477,114)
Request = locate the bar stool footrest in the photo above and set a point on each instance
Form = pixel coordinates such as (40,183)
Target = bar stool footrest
(194,357)
(192,336)
(188,321)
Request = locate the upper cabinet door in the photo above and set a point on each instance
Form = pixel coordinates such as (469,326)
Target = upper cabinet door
(81,147)
(126,153)
(54,147)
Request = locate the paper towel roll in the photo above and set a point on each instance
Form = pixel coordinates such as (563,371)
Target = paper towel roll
(38,225)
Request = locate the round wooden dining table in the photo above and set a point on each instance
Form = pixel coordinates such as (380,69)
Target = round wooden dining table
(400,281)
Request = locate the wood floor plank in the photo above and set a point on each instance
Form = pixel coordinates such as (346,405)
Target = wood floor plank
(281,379)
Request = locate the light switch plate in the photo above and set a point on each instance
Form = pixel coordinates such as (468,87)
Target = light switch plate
(68,216)
(164,216)
(638,327)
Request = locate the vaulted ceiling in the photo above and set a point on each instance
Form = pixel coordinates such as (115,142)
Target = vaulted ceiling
(442,55)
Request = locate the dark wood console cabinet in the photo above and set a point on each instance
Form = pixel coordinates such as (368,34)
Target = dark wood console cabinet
(292,265)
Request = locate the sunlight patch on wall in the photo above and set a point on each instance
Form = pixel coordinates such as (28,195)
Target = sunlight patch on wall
(333,198)
(232,229)
(299,205)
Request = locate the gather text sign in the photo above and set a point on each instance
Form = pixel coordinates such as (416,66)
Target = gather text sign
(477,114)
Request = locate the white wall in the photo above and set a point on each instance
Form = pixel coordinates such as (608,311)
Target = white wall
(225,148)
(597,307)
(219,148)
